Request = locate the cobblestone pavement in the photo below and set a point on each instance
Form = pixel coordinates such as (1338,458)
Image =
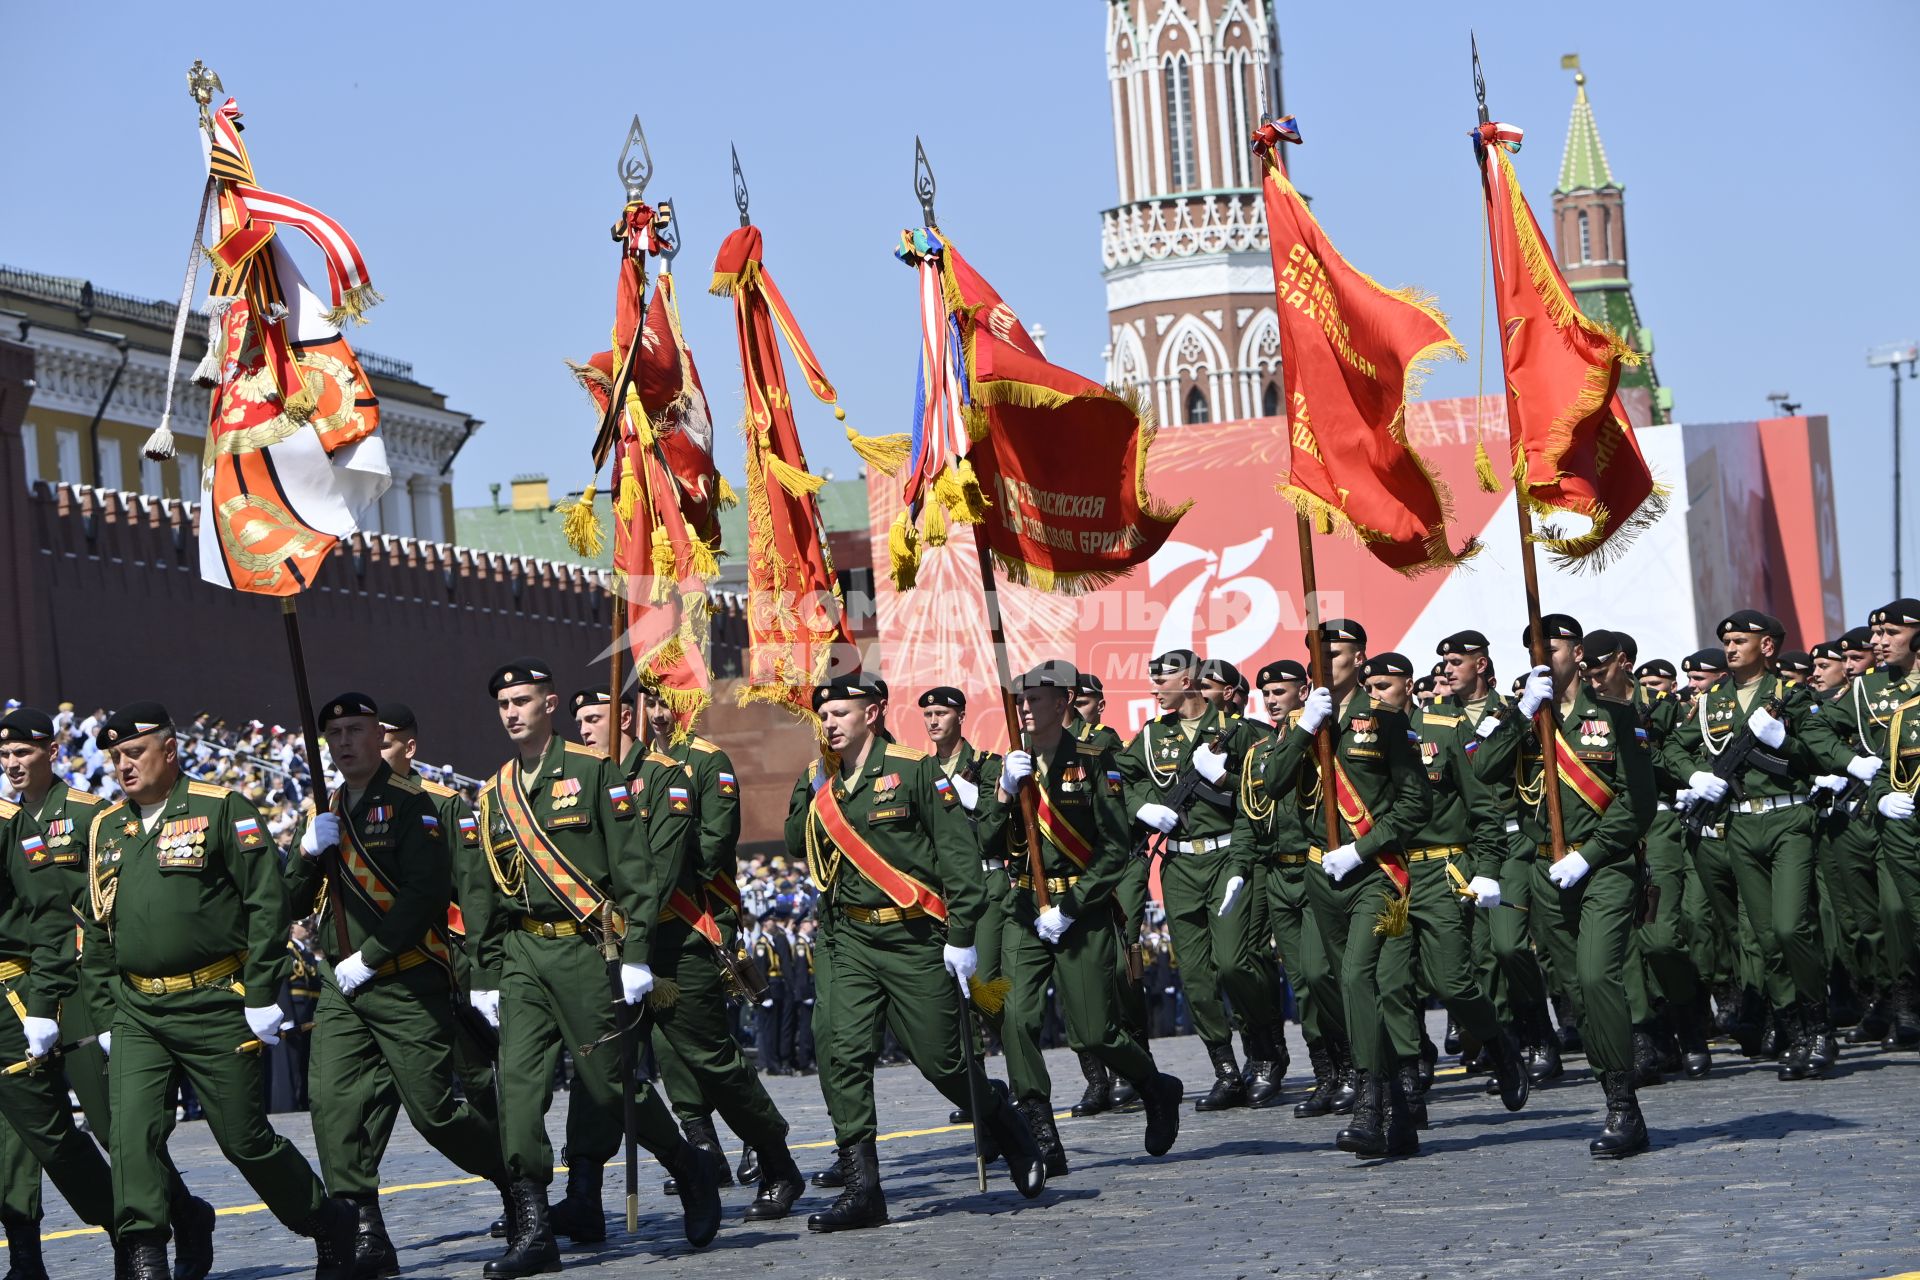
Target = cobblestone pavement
(1748,1177)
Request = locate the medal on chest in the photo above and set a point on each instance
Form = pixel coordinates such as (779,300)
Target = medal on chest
(379,818)
(564,793)
(1364,730)
(59,833)
(182,843)
(884,786)
(1594,733)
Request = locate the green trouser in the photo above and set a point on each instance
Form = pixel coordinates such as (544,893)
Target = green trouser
(472,1067)
(195,1033)
(1717,961)
(1715,865)
(1439,922)
(1296,932)
(1664,944)
(888,976)
(1210,946)
(1257,957)
(1375,972)
(394,1037)
(1900,870)
(1595,918)
(684,1094)
(1559,956)
(1080,968)
(19,1180)
(986,934)
(41,1135)
(1518,985)
(1850,863)
(1772,857)
(1130,897)
(695,1026)
(554,994)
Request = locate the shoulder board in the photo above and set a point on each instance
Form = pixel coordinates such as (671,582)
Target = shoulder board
(400,782)
(813,770)
(207,789)
(575,749)
(1613,704)
(701,745)
(662,758)
(8,808)
(1434,717)
(86,798)
(1089,748)
(899,752)
(433,788)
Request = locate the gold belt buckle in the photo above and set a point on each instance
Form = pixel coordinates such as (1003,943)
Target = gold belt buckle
(155,986)
(548,929)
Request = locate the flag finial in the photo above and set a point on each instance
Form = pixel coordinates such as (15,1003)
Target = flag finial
(739,187)
(635,170)
(203,83)
(923,184)
(1479,80)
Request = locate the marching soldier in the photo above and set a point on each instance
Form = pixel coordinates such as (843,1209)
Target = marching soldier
(385,1019)
(885,830)
(1898,626)
(1070,946)
(568,841)
(1588,888)
(1656,675)
(1201,872)
(1846,864)
(190,915)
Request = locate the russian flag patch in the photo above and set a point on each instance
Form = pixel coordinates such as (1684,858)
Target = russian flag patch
(622,802)
(944,789)
(469,829)
(727,785)
(248,829)
(678,798)
(431,822)
(35,848)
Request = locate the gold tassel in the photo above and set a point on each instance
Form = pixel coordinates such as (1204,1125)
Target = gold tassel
(581,524)
(885,454)
(627,496)
(1392,922)
(665,566)
(798,483)
(637,415)
(705,563)
(1322,523)
(957,489)
(354,305)
(989,997)
(665,994)
(933,525)
(1483,468)
(724,496)
(903,552)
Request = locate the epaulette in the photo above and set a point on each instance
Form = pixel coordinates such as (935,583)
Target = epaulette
(208,790)
(433,788)
(1605,701)
(661,757)
(1087,748)
(701,745)
(400,782)
(86,798)
(8,808)
(899,752)
(1434,717)
(813,769)
(575,749)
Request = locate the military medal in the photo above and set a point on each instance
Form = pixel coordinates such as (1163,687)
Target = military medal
(566,793)
(378,817)
(884,787)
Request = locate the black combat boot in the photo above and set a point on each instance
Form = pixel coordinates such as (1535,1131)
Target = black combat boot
(23,1250)
(862,1203)
(1626,1131)
(1161,1096)
(1872,1023)
(1229,1089)
(1265,1072)
(1126,1098)
(498,1228)
(780,1185)
(1795,1053)
(1903,1022)
(1843,1002)
(697,1174)
(747,1172)
(192,1221)
(1403,1121)
(701,1134)
(1411,1098)
(1018,1147)
(1039,1114)
(1325,1083)
(1543,1056)
(1646,1060)
(373,1254)
(333,1231)
(1449,1040)
(580,1216)
(1751,1021)
(1099,1094)
(1429,1059)
(834,1176)
(1366,1134)
(1822,1049)
(1696,1060)
(1510,1071)
(531,1248)
(1347,1095)
(141,1260)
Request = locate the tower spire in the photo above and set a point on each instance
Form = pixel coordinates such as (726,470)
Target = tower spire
(1583,166)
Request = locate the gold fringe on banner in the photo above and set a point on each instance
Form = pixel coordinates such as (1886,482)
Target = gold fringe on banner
(581,525)
(903,552)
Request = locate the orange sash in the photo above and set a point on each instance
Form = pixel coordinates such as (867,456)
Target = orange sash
(575,891)
(1354,812)
(689,913)
(1580,775)
(366,879)
(895,883)
(1055,827)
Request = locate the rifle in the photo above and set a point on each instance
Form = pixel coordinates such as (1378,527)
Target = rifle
(1187,789)
(1742,752)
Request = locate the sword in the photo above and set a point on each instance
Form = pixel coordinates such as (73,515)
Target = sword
(33,1064)
(1465,890)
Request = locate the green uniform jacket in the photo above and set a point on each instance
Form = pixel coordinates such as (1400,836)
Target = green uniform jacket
(1375,744)
(1272,820)
(916,825)
(1900,743)
(1082,786)
(1660,715)
(399,826)
(214,891)
(1160,753)
(1717,718)
(46,881)
(472,882)
(1604,734)
(603,833)
(1854,720)
(1466,811)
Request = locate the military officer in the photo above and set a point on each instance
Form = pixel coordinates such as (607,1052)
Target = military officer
(1656,675)
(575,861)
(190,916)
(1587,881)
(1375,802)
(897,859)
(1085,846)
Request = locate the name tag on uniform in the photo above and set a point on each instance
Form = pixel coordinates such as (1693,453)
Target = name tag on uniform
(895,811)
(560,820)
(181,858)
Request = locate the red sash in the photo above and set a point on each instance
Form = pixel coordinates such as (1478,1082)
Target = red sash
(1359,819)
(689,913)
(575,891)
(1065,837)
(1580,775)
(726,890)
(370,883)
(895,883)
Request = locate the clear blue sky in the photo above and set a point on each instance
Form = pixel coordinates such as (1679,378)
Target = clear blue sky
(1768,151)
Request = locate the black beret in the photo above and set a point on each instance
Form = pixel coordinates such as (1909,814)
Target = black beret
(343,705)
(1173,662)
(1220,671)
(588,698)
(1859,639)
(843,687)
(1281,669)
(135,720)
(1628,645)
(26,724)
(1600,646)
(1386,664)
(1558,626)
(1794,660)
(1054,673)
(520,671)
(944,696)
(1904,612)
(398,716)
(1705,660)
(1468,641)
(1425,684)
(1656,667)
(1751,622)
(1343,629)
(1829,649)
(1090,683)
(876,685)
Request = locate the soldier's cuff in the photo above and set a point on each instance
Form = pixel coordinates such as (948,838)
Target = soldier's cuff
(959,935)
(41,1005)
(638,947)
(375,953)
(1069,904)
(1369,844)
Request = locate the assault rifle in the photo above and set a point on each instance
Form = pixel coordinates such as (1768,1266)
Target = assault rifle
(1742,752)
(1187,790)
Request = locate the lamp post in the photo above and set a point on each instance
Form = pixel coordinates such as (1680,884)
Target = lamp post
(1893,355)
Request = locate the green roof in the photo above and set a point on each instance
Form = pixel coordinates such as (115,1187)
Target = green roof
(1584,165)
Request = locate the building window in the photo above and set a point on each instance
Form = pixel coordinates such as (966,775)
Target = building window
(1270,401)
(150,479)
(1586,239)
(189,465)
(1180,123)
(1606,236)
(66,451)
(30,438)
(111,476)
(1197,410)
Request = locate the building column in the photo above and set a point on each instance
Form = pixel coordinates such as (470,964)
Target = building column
(396,512)
(424,491)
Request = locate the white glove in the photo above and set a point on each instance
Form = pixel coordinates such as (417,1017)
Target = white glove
(1211,764)
(322,834)
(1865,768)
(962,963)
(1158,816)
(351,974)
(1685,798)
(1897,805)
(1569,871)
(1834,782)
(1710,787)
(1769,730)
(635,981)
(968,792)
(1486,892)
(1226,899)
(1317,710)
(265,1023)
(1014,770)
(106,1043)
(1341,863)
(42,1035)
(487,1005)
(1052,924)
(766,1004)
(1538,693)
(1487,727)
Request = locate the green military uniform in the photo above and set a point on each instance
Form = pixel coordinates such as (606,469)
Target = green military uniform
(1662,946)
(396,1032)
(1900,837)
(984,768)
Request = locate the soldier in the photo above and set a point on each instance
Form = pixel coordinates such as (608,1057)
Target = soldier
(580,859)
(1656,675)
(803,1050)
(770,956)
(385,1020)
(1846,868)
(189,913)
(1898,627)
(1767,827)
(1587,883)
(1201,871)
(898,860)
(1070,946)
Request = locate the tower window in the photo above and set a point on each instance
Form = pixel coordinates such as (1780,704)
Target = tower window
(1197,409)
(1179,123)
(1270,401)
(1586,239)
